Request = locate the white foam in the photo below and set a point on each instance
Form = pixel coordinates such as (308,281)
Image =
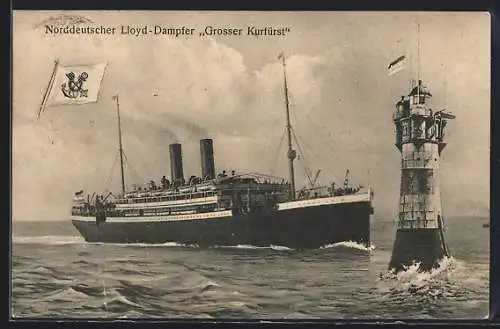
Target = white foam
(412,277)
(280,248)
(140,244)
(248,246)
(349,244)
(70,239)
(241,246)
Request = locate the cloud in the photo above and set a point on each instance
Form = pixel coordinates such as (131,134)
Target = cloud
(192,91)
(182,90)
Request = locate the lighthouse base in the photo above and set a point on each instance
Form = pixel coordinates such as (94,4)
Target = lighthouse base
(417,245)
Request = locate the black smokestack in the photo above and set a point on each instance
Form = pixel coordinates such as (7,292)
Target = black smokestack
(207,158)
(176,170)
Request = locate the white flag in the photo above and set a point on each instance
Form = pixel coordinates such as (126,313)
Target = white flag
(75,84)
(396,65)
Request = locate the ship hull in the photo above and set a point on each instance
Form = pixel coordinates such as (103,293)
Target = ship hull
(300,227)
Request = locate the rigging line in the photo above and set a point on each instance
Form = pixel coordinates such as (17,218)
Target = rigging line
(276,156)
(314,153)
(304,163)
(307,170)
(322,159)
(303,160)
(330,148)
(110,176)
(294,117)
(307,167)
(134,173)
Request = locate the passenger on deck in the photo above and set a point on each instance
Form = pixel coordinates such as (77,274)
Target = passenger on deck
(165,183)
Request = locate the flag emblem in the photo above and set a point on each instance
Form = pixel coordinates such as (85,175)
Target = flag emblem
(74,89)
(75,84)
(396,65)
(72,85)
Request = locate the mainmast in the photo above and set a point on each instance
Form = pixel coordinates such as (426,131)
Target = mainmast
(291,154)
(120,141)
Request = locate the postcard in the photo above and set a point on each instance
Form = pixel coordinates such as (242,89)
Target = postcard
(250,165)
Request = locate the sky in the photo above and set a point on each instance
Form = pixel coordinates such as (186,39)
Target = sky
(230,88)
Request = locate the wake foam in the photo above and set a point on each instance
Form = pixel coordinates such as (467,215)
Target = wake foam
(150,245)
(70,239)
(53,240)
(434,283)
(248,246)
(349,244)
(415,274)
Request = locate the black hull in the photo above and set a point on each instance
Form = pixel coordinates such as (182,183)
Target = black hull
(424,245)
(302,228)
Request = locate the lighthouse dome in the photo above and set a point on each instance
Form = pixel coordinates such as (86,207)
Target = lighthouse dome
(421,90)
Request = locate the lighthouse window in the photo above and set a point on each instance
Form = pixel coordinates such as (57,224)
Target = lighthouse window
(417,182)
(427,182)
(408,183)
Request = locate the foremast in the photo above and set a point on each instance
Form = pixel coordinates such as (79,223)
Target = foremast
(120,146)
(291,153)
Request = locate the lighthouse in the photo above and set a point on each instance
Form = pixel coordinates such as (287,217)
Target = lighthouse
(420,137)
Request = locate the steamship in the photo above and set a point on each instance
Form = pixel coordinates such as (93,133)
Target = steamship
(226,208)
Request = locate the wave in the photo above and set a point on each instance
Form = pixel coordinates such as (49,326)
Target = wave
(119,303)
(151,245)
(208,286)
(54,240)
(349,244)
(414,274)
(89,290)
(249,246)
(196,246)
(71,239)
(446,280)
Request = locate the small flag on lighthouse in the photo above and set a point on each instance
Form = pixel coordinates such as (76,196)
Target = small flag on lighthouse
(396,65)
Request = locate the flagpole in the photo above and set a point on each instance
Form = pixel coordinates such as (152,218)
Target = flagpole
(418,49)
(410,81)
(49,87)
(444,84)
